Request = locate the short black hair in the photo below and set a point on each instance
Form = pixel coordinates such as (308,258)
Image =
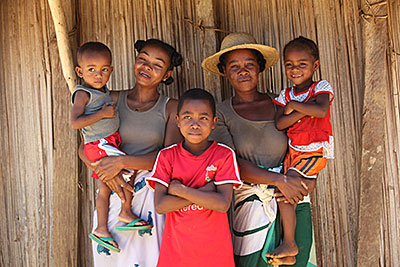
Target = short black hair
(90,47)
(259,57)
(174,56)
(197,94)
(302,43)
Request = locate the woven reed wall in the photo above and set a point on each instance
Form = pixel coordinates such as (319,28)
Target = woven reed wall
(390,233)
(38,192)
(41,186)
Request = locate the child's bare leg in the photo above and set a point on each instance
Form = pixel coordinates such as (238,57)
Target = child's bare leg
(288,246)
(126,215)
(102,206)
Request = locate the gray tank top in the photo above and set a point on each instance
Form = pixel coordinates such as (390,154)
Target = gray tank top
(104,127)
(142,132)
(256,141)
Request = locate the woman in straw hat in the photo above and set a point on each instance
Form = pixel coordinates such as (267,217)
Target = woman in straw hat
(246,123)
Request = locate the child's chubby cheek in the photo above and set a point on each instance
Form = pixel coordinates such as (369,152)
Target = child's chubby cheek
(174,187)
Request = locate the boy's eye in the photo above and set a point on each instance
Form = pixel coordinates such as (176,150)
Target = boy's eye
(186,117)
(203,118)
(91,69)
(105,69)
(302,65)
(234,67)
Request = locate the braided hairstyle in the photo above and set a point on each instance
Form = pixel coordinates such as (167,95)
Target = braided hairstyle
(174,56)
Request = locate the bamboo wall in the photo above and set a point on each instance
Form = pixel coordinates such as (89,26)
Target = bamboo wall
(391,184)
(47,195)
(38,192)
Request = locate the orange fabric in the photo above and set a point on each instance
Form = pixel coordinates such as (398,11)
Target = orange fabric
(307,163)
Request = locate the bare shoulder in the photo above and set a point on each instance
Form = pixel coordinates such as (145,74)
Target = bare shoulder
(81,96)
(172,107)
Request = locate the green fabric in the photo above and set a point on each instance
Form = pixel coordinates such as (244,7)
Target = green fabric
(303,237)
(251,260)
(249,232)
(247,199)
(303,234)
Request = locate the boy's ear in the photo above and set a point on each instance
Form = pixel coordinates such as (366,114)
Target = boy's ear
(111,69)
(78,71)
(316,64)
(177,120)
(215,120)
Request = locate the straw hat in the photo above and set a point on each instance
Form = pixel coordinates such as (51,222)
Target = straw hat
(240,40)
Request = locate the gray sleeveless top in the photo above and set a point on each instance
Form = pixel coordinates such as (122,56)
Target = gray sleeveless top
(142,132)
(256,141)
(104,127)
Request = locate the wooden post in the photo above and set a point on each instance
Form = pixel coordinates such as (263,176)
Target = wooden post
(206,13)
(373,134)
(64,46)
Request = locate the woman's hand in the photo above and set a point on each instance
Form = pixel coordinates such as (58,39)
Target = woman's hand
(292,188)
(107,168)
(116,184)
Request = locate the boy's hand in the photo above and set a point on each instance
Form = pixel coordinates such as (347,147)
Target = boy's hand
(108,110)
(174,187)
(288,108)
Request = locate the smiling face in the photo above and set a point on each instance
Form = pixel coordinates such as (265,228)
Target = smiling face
(94,68)
(300,66)
(242,70)
(152,66)
(196,121)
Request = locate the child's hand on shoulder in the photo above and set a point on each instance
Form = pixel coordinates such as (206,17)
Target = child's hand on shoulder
(174,187)
(108,110)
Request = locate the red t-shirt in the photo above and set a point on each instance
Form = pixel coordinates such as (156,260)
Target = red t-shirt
(196,236)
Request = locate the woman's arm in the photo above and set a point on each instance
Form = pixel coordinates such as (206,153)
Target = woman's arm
(107,168)
(115,184)
(172,133)
(293,188)
(219,200)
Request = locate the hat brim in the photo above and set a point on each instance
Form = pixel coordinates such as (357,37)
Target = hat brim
(271,56)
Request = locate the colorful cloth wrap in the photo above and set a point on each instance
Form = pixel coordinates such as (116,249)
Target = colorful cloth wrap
(256,227)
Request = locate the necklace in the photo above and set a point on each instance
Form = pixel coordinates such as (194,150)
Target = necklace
(135,104)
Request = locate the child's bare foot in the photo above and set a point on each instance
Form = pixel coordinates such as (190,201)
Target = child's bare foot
(128,216)
(286,249)
(280,261)
(99,232)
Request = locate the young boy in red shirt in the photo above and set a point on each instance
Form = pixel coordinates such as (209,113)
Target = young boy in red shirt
(193,184)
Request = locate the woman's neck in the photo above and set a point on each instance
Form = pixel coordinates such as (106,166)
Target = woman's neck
(143,94)
(247,97)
